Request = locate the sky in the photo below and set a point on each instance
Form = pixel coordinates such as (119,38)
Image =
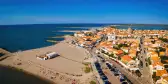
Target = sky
(83,11)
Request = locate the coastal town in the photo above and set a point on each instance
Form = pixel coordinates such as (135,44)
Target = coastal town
(106,55)
(139,55)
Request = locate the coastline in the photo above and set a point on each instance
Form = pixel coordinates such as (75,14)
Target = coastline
(44,69)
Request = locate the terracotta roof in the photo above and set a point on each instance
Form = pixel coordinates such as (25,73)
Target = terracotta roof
(155,59)
(154,54)
(100,33)
(166,78)
(120,52)
(106,43)
(132,51)
(161,53)
(157,63)
(126,58)
(161,72)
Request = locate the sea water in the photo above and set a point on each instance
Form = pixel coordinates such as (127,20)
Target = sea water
(24,37)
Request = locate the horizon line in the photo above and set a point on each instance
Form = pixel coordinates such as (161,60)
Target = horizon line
(85,23)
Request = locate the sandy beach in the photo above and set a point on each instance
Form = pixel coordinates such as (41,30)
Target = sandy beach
(64,69)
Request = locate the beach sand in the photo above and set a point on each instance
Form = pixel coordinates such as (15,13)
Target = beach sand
(64,69)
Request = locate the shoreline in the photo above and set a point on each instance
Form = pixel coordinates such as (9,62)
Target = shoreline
(45,70)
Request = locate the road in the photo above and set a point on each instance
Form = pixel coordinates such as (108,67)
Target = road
(145,70)
(113,79)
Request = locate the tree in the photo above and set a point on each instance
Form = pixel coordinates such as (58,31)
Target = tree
(92,82)
(119,58)
(134,58)
(111,55)
(153,42)
(163,39)
(87,69)
(116,47)
(125,53)
(155,78)
(107,53)
(102,51)
(162,49)
(149,61)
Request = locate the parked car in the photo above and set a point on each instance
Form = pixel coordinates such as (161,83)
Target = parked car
(115,74)
(121,78)
(107,82)
(108,65)
(112,69)
(104,78)
(124,82)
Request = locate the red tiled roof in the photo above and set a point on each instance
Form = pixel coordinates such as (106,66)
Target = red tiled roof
(126,58)
(161,72)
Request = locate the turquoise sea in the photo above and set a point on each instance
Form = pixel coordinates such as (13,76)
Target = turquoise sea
(23,37)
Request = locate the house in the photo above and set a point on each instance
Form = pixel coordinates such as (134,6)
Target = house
(125,49)
(100,33)
(166,51)
(111,37)
(126,59)
(152,53)
(155,59)
(155,45)
(79,34)
(119,52)
(157,66)
(150,48)
(161,72)
(132,53)
(87,38)
(166,79)
(161,53)
(131,64)
(110,49)
(81,43)
(115,52)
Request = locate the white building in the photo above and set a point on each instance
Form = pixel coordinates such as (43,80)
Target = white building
(79,34)
(51,55)
(158,67)
(111,37)
(47,56)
